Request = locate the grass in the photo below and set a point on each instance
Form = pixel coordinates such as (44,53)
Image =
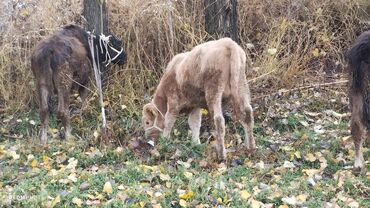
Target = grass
(309,41)
(159,178)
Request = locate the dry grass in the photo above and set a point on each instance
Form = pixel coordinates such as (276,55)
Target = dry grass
(308,36)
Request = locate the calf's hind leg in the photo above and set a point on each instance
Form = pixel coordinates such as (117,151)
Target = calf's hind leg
(358,129)
(215,106)
(64,84)
(358,134)
(63,112)
(247,121)
(43,95)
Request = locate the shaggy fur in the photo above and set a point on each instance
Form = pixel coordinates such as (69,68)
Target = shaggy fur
(61,62)
(359,93)
(202,78)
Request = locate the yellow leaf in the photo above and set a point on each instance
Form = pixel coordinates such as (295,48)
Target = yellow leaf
(108,188)
(245,194)
(219,200)
(248,163)
(297,154)
(55,201)
(186,195)
(302,197)
(183,203)
(310,157)
(142,204)
(77,201)
(283,206)
(315,52)
(204,111)
(121,187)
(33,163)
(351,153)
(53,131)
(45,158)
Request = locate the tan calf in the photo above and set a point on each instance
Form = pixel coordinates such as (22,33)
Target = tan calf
(202,78)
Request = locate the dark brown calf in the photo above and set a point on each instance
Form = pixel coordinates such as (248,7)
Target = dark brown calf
(359,93)
(63,61)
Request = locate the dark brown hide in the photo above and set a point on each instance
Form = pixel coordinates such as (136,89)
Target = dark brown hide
(359,93)
(63,61)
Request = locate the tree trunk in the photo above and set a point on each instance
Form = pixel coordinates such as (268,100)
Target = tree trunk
(221,18)
(95,13)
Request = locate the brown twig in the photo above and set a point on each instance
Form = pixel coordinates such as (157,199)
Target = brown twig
(301,88)
(13,136)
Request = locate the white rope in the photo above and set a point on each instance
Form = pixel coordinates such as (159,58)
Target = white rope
(97,74)
(155,126)
(157,109)
(104,41)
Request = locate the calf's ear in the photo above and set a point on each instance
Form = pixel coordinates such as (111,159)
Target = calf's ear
(150,110)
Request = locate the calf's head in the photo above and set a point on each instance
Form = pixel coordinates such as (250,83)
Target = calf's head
(153,121)
(113,49)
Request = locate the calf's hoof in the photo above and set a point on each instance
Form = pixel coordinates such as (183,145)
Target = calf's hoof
(221,155)
(358,167)
(251,151)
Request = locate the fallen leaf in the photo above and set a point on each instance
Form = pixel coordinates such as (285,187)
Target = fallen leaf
(33,163)
(14,155)
(315,52)
(183,203)
(72,177)
(187,195)
(188,174)
(302,197)
(92,202)
(244,194)
(77,201)
(256,204)
(84,186)
(310,157)
(204,111)
(164,177)
(108,188)
(55,201)
(289,200)
(288,164)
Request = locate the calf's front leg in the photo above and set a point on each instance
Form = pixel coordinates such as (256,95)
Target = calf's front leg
(169,122)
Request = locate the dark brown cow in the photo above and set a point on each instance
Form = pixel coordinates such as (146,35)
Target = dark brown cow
(359,94)
(63,61)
